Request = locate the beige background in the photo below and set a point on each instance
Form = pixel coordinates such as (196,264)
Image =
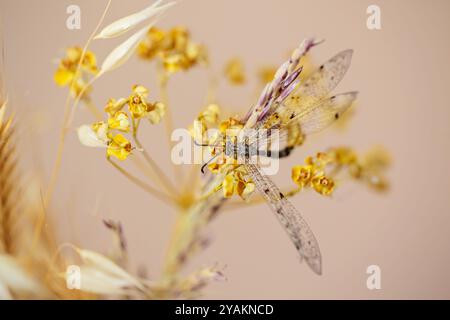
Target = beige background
(402,73)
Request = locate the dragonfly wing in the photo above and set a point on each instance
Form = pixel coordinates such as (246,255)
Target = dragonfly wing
(321,82)
(324,113)
(295,124)
(295,226)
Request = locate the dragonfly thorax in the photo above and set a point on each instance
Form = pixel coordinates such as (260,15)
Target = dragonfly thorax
(239,149)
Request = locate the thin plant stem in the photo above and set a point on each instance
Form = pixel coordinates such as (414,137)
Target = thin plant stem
(192,178)
(213,84)
(163,179)
(67,116)
(160,195)
(92,108)
(168,119)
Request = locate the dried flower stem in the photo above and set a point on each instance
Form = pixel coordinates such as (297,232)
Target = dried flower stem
(192,178)
(92,108)
(153,165)
(160,195)
(168,120)
(39,225)
(186,237)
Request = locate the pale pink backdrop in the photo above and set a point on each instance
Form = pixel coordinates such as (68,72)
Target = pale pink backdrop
(402,73)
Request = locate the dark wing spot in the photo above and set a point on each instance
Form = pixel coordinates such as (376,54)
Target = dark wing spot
(321,68)
(282,196)
(336,116)
(266,191)
(292,116)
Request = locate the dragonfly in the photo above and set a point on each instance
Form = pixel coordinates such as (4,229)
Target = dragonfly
(306,108)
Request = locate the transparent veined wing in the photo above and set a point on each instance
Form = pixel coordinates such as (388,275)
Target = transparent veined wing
(294,125)
(320,83)
(321,115)
(295,226)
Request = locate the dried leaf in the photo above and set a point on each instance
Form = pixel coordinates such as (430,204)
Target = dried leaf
(122,53)
(104,264)
(96,281)
(122,25)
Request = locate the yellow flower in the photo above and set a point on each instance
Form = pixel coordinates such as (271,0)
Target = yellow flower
(114,105)
(245,189)
(372,166)
(137,102)
(345,156)
(179,38)
(119,147)
(139,107)
(323,185)
(205,120)
(197,130)
(211,113)
(152,44)
(234,71)
(173,62)
(101,130)
(119,121)
(230,126)
(155,112)
(174,48)
(234,183)
(66,72)
(195,53)
(214,167)
(377,158)
(302,175)
(228,185)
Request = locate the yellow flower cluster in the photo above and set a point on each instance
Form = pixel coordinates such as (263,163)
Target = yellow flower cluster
(234,71)
(101,133)
(234,181)
(312,174)
(139,107)
(208,118)
(370,168)
(67,75)
(367,169)
(174,48)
